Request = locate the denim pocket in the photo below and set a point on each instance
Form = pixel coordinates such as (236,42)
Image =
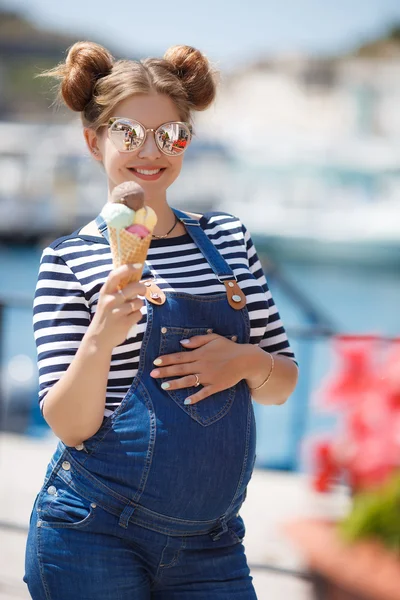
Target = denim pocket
(60,506)
(211,409)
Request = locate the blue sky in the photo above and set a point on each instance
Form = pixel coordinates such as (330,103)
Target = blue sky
(228,31)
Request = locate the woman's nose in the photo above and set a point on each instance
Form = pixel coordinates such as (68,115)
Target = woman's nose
(149,148)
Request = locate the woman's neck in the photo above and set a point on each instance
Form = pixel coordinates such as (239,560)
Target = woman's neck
(166,220)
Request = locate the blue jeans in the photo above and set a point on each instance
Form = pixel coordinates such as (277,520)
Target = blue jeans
(96,559)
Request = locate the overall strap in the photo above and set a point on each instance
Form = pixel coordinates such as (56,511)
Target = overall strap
(206,247)
(102,227)
(222,270)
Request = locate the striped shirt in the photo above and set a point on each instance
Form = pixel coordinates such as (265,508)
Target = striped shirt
(74,268)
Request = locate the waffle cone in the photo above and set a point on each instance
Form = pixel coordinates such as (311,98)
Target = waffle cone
(129,249)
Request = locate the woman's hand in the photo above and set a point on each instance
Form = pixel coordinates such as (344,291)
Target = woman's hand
(218,363)
(117,309)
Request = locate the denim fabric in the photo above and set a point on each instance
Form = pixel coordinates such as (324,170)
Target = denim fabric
(96,559)
(148,506)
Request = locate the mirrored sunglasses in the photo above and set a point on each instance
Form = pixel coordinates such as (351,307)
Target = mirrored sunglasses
(128,135)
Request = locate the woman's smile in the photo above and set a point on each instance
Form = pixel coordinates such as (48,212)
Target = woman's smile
(147,173)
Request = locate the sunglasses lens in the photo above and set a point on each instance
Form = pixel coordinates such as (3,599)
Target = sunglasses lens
(173,138)
(126,135)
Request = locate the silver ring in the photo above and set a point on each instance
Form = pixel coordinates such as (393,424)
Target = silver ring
(123,295)
(197,380)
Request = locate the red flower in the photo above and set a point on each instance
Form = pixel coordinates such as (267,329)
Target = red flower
(366,389)
(357,375)
(325,466)
(390,375)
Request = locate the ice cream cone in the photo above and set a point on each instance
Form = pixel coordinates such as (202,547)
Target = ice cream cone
(128,248)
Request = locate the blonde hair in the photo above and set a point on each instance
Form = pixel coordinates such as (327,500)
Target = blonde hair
(92,82)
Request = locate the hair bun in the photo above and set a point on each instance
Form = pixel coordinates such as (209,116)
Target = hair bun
(86,62)
(196,74)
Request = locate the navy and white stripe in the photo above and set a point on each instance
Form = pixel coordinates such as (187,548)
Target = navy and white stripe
(74,268)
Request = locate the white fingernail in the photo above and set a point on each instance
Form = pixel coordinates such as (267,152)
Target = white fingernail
(157,362)
(165,385)
(188,401)
(137,265)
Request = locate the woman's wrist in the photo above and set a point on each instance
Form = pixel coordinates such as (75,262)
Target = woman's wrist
(258,365)
(96,341)
(271,378)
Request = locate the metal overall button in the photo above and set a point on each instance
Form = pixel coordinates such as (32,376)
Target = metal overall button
(66,465)
(153,293)
(52,490)
(164,330)
(236,298)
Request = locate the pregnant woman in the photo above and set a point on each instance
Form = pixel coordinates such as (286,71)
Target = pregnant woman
(141,498)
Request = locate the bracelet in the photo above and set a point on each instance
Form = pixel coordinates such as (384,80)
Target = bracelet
(268,376)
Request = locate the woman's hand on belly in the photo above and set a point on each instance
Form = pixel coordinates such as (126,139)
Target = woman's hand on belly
(214,362)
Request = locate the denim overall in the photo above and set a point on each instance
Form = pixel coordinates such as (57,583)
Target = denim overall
(176,471)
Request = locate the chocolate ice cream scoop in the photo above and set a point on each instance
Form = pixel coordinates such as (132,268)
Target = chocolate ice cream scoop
(129,193)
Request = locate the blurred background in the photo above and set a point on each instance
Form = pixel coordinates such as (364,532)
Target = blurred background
(303,144)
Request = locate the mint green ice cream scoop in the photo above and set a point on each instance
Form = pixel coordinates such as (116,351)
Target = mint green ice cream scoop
(118,216)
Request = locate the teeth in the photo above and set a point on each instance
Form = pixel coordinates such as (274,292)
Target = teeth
(146,172)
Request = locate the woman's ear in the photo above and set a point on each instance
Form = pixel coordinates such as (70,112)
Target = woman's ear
(91,139)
